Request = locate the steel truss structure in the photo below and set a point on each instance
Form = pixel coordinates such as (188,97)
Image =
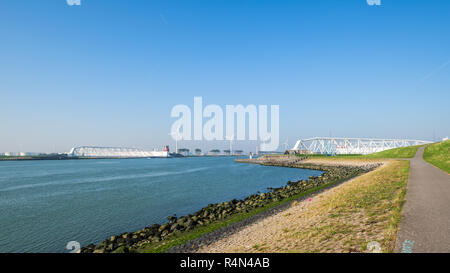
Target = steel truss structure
(336,145)
(91,151)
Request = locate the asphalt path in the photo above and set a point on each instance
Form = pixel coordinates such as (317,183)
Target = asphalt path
(425,225)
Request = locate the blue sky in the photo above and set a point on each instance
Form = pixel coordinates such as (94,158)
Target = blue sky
(109,72)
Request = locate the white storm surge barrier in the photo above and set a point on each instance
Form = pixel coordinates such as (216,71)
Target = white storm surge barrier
(114,152)
(333,145)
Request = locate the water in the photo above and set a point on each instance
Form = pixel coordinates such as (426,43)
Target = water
(45,204)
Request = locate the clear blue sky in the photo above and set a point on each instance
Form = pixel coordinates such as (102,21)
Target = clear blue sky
(109,72)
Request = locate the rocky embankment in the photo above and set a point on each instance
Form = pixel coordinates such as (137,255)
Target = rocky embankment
(273,159)
(132,241)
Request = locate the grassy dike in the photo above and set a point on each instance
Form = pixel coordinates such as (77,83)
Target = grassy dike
(438,154)
(346,218)
(366,210)
(404,152)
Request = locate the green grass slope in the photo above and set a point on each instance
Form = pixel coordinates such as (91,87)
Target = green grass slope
(438,154)
(404,152)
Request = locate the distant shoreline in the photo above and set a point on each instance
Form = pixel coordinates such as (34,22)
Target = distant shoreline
(65,157)
(27,158)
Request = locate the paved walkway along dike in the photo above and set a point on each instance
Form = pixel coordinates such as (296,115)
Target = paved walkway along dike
(425,225)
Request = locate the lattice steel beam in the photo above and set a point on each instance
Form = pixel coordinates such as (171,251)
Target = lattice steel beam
(337,145)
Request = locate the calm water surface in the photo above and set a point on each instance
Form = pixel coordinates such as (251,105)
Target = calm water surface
(45,204)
